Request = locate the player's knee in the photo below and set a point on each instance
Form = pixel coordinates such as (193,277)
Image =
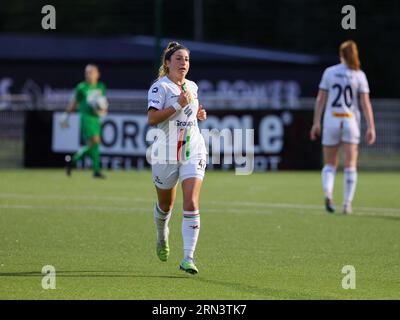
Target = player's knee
(96,140)
(165,206)
(190,204)
(92,141)
(350,162)
(331,165)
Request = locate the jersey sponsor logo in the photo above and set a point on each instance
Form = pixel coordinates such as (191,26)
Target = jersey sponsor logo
(341,75)
(342,115)
(155,90)
(154,101)
(179,123)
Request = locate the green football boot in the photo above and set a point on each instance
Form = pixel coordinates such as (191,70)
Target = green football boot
(188,266)
(162,250)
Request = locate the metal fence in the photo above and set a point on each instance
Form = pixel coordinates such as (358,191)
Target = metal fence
(384,155)
(11,139)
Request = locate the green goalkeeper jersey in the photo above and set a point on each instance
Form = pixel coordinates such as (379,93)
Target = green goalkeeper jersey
(84,92)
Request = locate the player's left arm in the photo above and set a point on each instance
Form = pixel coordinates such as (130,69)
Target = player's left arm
(369,117)
(320,103)
(201,113)
(102,113)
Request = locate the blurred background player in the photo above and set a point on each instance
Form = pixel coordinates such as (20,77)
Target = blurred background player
(90,100)
(179,151)
(342,89)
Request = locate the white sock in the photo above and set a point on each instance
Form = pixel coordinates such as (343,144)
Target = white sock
(190,232)
(350,182)
(328,180)
(161,219)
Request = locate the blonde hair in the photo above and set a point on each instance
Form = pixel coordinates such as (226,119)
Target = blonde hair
(171,48)
(349,52)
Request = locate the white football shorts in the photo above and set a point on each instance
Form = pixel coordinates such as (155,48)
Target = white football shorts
(341,130)
(166,175)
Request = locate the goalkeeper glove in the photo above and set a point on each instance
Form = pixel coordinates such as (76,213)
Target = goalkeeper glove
(64,122)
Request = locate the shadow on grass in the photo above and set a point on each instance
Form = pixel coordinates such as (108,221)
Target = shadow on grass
(88,274)
(377,216)
(264,293)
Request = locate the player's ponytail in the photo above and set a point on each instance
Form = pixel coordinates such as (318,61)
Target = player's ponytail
(171,48)
(349,52)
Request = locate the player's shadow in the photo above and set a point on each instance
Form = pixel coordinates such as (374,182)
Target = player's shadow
(383,217)
(263,293)
(89,274)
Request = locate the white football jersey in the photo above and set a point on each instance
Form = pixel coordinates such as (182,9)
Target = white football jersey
(344,86)
(179,137)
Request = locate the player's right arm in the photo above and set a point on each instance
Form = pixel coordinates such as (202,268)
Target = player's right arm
(64,122)
(156,97)
(320,103)
(319,108)
(72,106)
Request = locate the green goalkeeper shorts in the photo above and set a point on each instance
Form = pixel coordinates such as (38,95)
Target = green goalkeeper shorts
(90,127)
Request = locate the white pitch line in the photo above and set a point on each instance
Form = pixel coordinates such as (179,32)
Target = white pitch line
(68,197)
(236,204)
(106,209)
(216,202)
(299,206)
(74,208)
(133,209)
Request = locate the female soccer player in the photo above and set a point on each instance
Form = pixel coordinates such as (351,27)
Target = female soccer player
(178,152)
(342,89)
(86,92)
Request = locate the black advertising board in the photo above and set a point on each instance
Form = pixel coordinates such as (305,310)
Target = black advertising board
(281,139)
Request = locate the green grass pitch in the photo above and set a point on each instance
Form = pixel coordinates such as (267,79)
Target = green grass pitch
(263,236)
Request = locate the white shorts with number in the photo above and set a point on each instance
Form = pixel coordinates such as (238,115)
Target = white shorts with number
(166,175)
(340,130)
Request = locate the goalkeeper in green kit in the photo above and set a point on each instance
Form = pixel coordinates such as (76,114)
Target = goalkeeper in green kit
(92,104)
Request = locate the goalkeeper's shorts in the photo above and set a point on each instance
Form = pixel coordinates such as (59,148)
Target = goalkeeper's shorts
(90,127)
